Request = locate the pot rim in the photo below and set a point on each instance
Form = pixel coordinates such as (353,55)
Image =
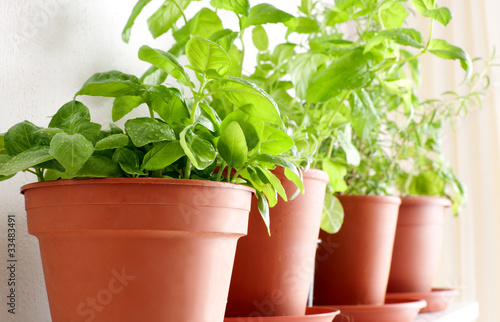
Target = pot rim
(316,174)
(144,181)
(429,200)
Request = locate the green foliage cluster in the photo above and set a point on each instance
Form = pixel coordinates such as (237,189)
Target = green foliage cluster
(183,137)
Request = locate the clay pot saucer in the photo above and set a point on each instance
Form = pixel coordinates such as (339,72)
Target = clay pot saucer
(397,310)
(437,300)
(313,314)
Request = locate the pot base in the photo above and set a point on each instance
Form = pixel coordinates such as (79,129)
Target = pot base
(313,314)
(437,300)
(400,310)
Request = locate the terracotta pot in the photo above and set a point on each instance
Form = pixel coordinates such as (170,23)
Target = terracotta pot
(352,266)
(133,250)
(272,274)
(418,243)
(313,314)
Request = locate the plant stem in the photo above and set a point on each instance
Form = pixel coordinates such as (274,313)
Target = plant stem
(221,170)
(242,31)
(339,106)
(182,12)
(187,171)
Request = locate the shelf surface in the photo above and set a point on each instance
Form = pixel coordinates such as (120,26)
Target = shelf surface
(456,312)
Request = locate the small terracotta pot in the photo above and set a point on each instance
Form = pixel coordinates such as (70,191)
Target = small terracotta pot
(418,243)
(352,266)
(128,250)
(272,274)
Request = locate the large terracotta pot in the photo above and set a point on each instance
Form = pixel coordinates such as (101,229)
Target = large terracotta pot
(418,243)
(352,266)
(128,250)
(272,274)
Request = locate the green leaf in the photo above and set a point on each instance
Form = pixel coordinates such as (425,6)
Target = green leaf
(275,141)
(295,176)
(211,114)
(427,183)
(442,15)
(200,152)
(264,13)
(153,76)
(263,206)
(113,141)
(74,117)
(392,14)
(144,130)
(302,67)
(111,84)
(128,161)
(71,150)
(162,155)
(164,18)
(99,166)
(23,136)
(272,180)
(282,52)
(135,12)
(3,151)
(336,173)
(255,100)
(350,72)
(205,55)
(252,127)
(165,61)
(168,103)
(204,23)
(402,36)
(333,214)
(259,38)
(303,25)
(225,39)
(123,105)
(443,49)
(24,160)
(241,7)
(352,154)
(232,146)
(364,116)
(422,5)
(306,6)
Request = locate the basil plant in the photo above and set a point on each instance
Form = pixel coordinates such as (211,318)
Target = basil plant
(184,135)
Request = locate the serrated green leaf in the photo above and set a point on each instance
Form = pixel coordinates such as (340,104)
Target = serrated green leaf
(232,146)
(135,12)
(442,15)
(99,167)
(113,141)
(24,136)
(333,214)
(241,7)
(162,155)
(111,84)
(144,130)
(165,61)
(265,13)
(24,160)
(200,152)
(71,150)
(205,55)
(259,38)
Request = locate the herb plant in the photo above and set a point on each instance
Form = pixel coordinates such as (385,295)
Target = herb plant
(183,136)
